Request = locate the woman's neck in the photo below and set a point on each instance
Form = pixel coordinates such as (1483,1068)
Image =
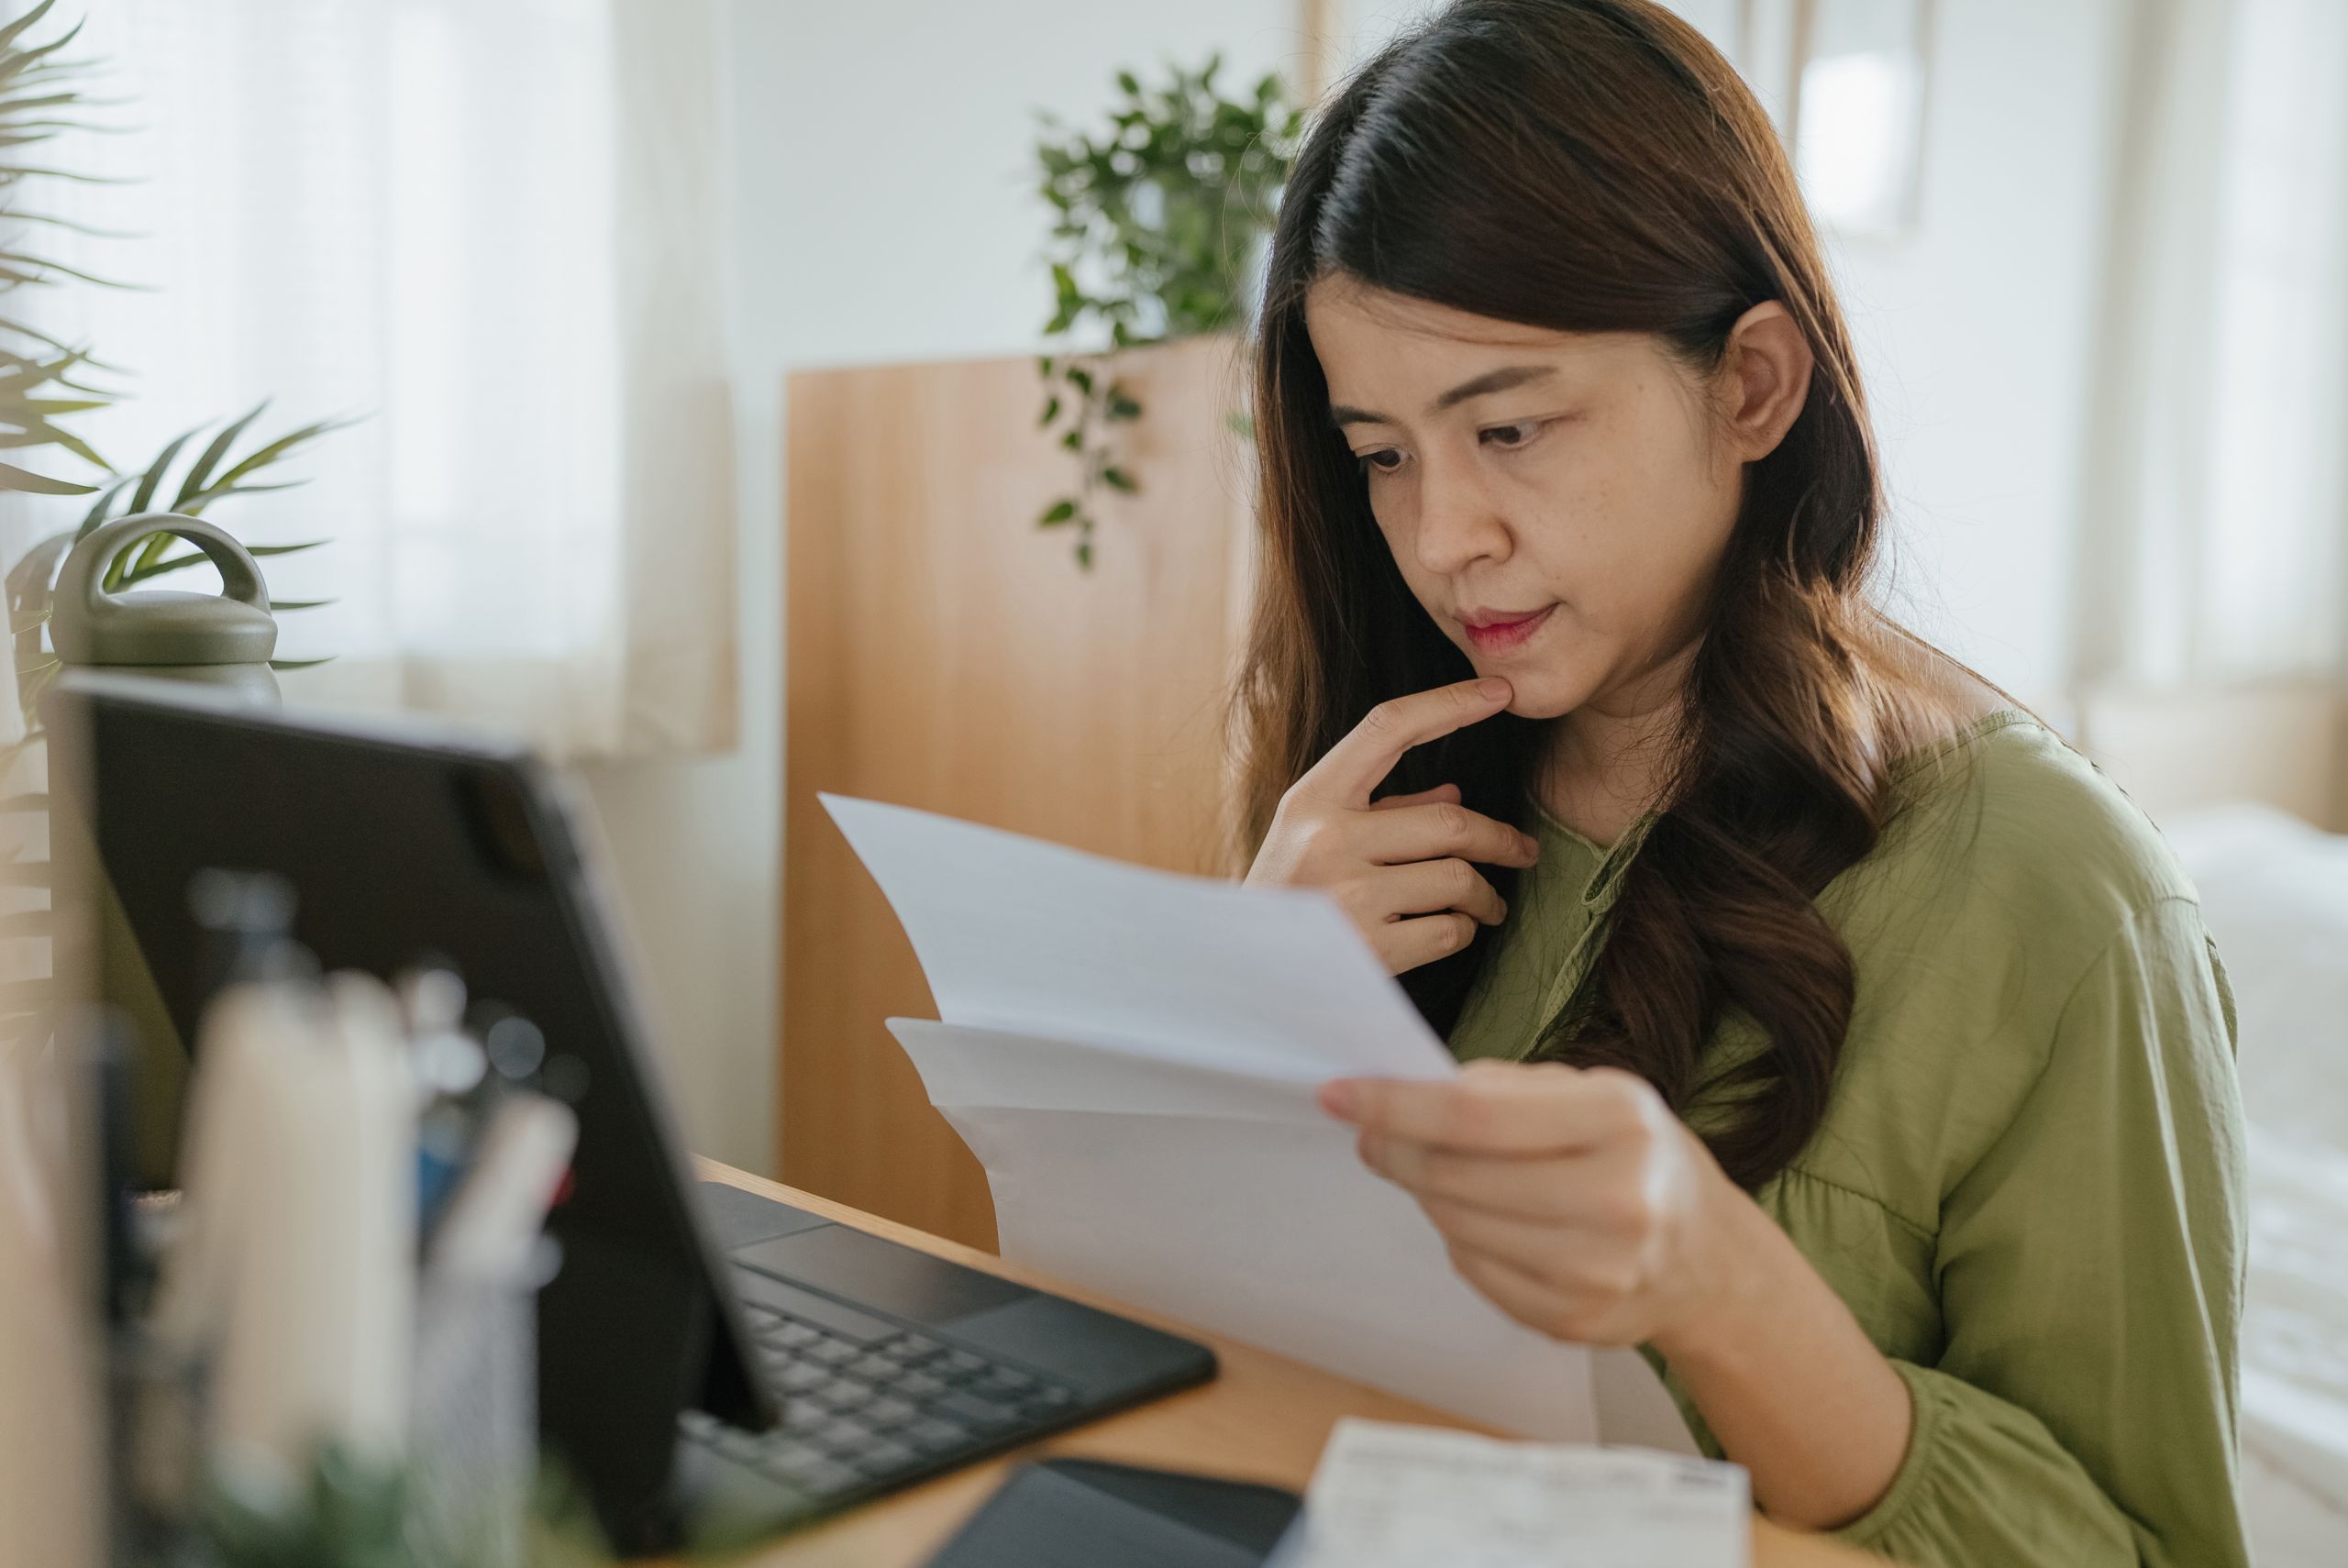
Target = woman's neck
(1607,761)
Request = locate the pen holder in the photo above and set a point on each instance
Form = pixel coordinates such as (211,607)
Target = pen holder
(472,1443)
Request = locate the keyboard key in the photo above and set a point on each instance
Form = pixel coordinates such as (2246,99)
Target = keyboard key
(842,1438)
(759,1289)
(790,1334)
(932,1436)
(833,1352)
(959,1365)
(804,1415)
(838,1393)
(798,1377)
(918,1387)
(990,1392)
(1005,1380)
(887,1412)
(975,1414)
(879,1369)
(910,1350)
(885,1458)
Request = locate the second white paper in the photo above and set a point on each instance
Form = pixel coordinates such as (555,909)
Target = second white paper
(1236,1204)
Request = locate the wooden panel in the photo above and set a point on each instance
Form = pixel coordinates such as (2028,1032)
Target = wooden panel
(945,653)
(2285,743)
(1263,1419)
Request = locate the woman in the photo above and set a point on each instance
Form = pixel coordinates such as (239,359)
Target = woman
(1834,1031)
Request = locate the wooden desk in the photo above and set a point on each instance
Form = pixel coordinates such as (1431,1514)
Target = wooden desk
(1264,1418)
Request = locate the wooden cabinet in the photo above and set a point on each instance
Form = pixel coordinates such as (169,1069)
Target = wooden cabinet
(945,652)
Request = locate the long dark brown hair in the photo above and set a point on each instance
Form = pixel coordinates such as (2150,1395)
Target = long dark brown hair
(1596,166)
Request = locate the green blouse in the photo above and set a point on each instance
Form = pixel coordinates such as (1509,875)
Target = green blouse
(2027,1186)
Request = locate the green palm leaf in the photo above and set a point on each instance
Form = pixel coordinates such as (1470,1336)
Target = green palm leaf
(10,33)
(14,478)
(279,449)
(192,486)
(192,557)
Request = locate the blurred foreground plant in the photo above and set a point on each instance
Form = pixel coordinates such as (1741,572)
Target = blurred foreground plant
(42,385)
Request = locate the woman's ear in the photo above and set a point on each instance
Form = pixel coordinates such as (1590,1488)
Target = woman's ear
(1766,368)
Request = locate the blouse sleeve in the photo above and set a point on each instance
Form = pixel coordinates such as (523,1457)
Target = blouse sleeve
(2083,1409)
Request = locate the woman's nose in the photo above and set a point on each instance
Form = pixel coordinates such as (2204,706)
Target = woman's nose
(1458,523)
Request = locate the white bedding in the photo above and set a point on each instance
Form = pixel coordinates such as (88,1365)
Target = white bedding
(2274,892)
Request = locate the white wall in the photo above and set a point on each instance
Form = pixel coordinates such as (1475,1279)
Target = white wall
(1976,333)
(884,212)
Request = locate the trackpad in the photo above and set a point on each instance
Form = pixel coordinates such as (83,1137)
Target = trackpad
(881,1275)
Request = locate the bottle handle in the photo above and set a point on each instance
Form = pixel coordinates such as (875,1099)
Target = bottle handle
(83,579)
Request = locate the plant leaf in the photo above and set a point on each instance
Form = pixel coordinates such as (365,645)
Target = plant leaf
(98,513)
(14,478)
(25,171)
(143,497)
(192,486)
(1058,513)
(138,575)
(16,256)
(175,562)
(280,446)
(8,34)
(195,508)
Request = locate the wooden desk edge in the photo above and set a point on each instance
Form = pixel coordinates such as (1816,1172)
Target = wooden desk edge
(1263,1419)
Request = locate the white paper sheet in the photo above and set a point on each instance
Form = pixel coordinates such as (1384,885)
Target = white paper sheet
(1397,1496)
(1132,1054)
(1017,934)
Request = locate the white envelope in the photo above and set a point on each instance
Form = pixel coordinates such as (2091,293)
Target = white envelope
(1133,1055)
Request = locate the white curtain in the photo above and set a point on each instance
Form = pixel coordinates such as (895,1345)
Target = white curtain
(492,228)
(2217,539)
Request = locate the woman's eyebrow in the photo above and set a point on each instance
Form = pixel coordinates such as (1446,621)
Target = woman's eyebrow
(1502,380)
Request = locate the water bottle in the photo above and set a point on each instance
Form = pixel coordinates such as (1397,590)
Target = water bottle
(224,639)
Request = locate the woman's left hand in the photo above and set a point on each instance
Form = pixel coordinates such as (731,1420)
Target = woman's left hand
(1574,1198)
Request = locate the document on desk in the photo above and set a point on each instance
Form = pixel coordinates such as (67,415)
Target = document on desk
(1133,1055)
(1398,1496)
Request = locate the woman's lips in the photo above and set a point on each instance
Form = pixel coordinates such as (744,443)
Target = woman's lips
(1500,633)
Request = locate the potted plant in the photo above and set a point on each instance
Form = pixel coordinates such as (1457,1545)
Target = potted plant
(1158,225)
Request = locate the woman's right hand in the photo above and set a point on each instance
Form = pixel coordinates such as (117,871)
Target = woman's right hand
(1399,867)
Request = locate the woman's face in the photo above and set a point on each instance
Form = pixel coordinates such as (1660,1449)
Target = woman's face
(1558,502)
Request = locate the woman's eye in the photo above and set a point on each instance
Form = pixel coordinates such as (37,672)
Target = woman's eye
(1516,435)
(1385,460)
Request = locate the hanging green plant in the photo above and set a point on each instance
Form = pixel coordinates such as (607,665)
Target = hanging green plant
(1158,223)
